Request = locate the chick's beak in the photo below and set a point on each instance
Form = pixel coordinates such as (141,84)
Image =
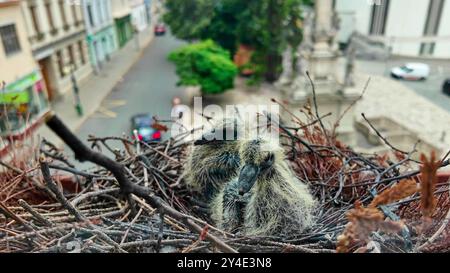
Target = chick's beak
(247,178)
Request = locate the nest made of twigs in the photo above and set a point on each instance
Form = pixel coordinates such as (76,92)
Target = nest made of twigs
(85,210)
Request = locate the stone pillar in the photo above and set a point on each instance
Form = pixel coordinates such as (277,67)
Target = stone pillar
(321,58)
(323,24)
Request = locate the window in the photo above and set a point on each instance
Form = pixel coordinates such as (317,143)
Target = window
(91,19)
(60,60)
(72,56)
(80,48)
(432,25)
(36,26)
(99,11)
(406,69)
(48,8)
(63,13)
(9,38)
(378,18)
(105,10)
(74,14)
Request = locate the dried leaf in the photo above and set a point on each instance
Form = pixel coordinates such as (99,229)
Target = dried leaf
(400,156)
(362,222)
(429,179)
(401,190)
(382,160)
(343,243)
(160,127)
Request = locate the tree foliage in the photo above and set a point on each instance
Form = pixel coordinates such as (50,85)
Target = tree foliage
(204,64)
(188,18)
(224,24)
(268,26)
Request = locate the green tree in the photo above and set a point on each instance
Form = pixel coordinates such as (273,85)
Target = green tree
(204,64)
(294,30)
(223,24)
(187,19)
(268,26)
(308,3)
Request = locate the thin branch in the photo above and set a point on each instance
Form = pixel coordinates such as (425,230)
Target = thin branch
(316,108)
(83,153)
(382,138)
(336,124)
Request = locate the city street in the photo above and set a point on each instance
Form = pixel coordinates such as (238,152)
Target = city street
(148,87)
(431,88)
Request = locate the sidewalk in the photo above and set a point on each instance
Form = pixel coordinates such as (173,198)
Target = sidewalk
(95,89)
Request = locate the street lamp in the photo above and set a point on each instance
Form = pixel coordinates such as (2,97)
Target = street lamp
(71,69)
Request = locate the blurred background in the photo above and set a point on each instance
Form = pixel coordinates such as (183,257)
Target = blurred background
(116,67)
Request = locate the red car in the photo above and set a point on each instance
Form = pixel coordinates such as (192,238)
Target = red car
(160,30)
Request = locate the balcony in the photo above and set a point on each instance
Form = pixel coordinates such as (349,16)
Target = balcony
(54,31)
(37,38)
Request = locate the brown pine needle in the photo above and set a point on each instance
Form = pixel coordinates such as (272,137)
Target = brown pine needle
(428,184)
(362,222)
(398,192)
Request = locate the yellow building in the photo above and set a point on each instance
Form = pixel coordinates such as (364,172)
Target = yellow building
(58,40)
(23,96)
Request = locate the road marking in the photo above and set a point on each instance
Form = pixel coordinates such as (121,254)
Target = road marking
(105,109)
(107,112)
(116,102)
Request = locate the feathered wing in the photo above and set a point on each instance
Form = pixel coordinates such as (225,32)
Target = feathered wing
(209,167)
(279,205)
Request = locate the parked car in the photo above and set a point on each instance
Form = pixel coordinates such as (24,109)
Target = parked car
(143,124)
(160,29)
(411,71)
(446,87)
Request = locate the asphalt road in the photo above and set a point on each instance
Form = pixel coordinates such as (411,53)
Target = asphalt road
(148,87)
(430,89)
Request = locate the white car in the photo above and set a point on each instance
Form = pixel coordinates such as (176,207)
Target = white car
(411,71)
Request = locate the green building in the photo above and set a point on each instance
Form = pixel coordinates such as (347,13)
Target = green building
(124,29)
(102,45)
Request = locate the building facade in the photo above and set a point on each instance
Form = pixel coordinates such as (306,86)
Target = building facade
(58,42)
(149,10)
(408,28)
(23,96)
(154,11)
(101,34)
(121,12)
(139,17)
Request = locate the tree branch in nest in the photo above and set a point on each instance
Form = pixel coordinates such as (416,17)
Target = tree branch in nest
(83,153)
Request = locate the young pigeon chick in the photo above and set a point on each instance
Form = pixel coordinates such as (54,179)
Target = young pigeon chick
(214,159)
(265,198)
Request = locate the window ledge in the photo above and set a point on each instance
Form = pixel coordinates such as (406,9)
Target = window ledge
(13,54)
(54,31)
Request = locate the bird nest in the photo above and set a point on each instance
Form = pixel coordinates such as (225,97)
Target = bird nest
(367,203)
